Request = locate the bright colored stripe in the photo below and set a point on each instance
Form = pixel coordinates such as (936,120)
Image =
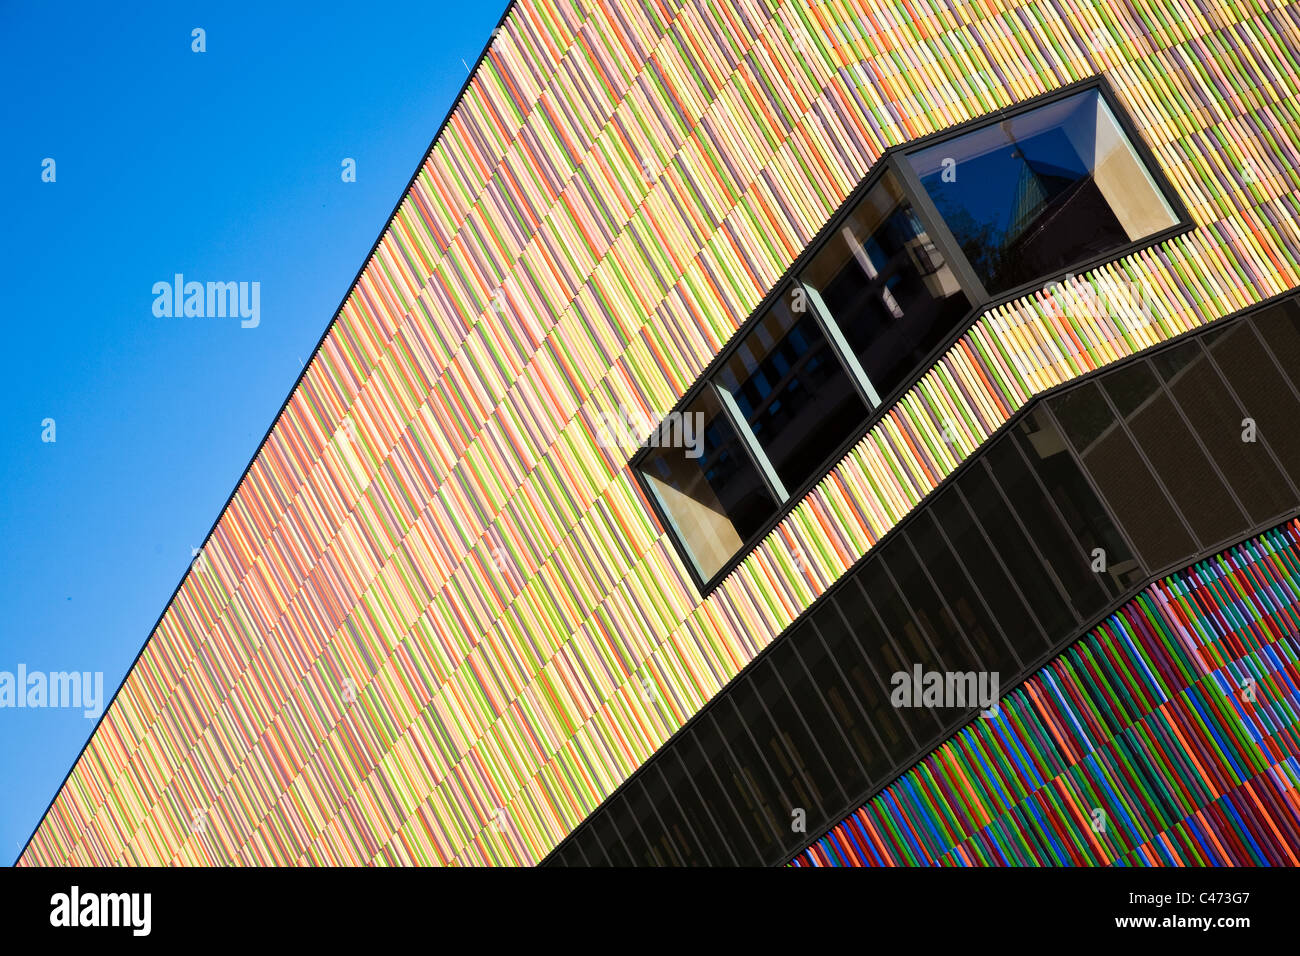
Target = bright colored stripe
(1192,768)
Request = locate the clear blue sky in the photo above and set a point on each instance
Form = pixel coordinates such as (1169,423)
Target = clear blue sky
(224,166)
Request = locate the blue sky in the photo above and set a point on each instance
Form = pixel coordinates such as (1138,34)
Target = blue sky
(225,166)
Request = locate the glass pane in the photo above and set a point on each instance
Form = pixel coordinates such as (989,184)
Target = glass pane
(814,708)
(1072,564)
(675,841)
(845,711)
(621,813)
(841,632)
(874,678)
(887,286)
(602,825)
(1035,194)
(927,608)
(1124,480)
(1216,418)
(792,747)
(963,612)
(657,850)
(791,778)
(763,807)
(914,649)
(1085,516)
(1083,415)
(1270,405)
(587,848)
(793,391)
(1011,545)
(1130,387)
(707,485)
(701,752)
(1279,326)
(716,775)
(976,555)
(708,833)
(1188,476)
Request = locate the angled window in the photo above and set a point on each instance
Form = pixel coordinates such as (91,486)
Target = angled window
(1036,193)
(709,486)
(887,286)
(938,232)
(790,389)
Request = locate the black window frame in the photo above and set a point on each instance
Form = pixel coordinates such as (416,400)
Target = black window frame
(891,162)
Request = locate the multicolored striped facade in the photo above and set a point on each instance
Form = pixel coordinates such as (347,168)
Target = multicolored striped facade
(423,630)
(1169,736)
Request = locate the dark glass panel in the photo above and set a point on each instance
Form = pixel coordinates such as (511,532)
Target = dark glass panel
(914,648)
(852,632)
(583,849)
(764,809)
(707,764)
(1263,391)
(926,607)
(1216,418)
(674,840)
(1016,552)
(929,613)
(887,286)
(789,771)
(1085,517)
(793,391)
(821,763)
(608,838)
(714,833)
(1126,484)
(1178,460)
(897,619)
(622,811)
(657,849)
(1083,414)
(963,613)
(753,790)
(707,485)
(815,710)
(1071,562)
(1032,195)
(991,581)
(1279,327)
(1171,363)
(1130,387)
(846,710)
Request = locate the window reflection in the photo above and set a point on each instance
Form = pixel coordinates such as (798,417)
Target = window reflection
(1042,191)
(1088,524)
(886,284)
(716,501)
(792,391)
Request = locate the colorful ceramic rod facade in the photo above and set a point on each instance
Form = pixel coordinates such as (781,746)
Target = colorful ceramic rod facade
(437,622)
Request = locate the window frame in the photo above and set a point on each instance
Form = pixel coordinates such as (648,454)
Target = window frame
(892,161)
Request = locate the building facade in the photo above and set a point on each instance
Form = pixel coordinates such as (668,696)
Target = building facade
(1164,738)
(728,369)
